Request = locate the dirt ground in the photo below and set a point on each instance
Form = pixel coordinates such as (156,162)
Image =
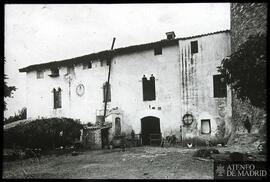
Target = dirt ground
(134,163)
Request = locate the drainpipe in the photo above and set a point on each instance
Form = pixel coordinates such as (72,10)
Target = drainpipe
(107,85)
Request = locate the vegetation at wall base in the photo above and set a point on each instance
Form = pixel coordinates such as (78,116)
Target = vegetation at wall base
(245,71)
(43,133)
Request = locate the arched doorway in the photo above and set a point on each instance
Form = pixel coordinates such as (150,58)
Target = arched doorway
(149,125)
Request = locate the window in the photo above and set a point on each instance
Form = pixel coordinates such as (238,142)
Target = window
(205,126)
(102,62)
(87,65)
(158,50)
(220,88)
(54,72)
(40,74)
(188,119)
(194,47)
(149,92)
(117,126)
(57,98)
(70,69)
(170,36)
(105,86)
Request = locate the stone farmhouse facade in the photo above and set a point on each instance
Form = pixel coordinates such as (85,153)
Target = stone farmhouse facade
(170,87)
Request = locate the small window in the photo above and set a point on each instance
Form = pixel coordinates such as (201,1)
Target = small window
(54,72)
(87,65)
(105,86)
(194,47)
(170,36)
(158,50)
(220,88)
(70,69)
(205,126)
(149,92)
(103,63)
(57,98)
(40,74)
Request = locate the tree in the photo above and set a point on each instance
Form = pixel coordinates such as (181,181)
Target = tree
(7,89)
(245,71)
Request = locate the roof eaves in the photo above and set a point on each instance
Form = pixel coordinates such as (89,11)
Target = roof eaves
(100,55)
(203,35)
(107,53)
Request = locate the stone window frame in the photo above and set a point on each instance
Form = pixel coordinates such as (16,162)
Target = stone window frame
(210,130)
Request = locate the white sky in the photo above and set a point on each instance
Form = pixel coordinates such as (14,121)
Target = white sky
(42,33)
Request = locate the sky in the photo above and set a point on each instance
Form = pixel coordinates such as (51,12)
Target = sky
(50,32)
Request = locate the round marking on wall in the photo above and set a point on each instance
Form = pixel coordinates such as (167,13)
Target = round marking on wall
(80,89)
(188,119)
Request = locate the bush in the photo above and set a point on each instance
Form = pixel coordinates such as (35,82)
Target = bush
(21,115)
(43,133)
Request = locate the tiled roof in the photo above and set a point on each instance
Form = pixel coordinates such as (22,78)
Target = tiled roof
(109,53)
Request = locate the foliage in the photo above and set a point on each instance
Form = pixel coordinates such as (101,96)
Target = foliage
(21,115)
(43,133)
(245,71)
(8,91)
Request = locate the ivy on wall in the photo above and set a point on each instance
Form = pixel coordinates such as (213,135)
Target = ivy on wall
(245,71)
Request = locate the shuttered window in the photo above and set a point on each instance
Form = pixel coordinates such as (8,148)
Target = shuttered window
(220,88)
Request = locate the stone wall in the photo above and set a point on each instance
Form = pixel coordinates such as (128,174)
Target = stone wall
(92,138)
(246,19)
(197,88)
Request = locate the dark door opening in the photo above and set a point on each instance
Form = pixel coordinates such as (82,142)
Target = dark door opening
(150,127)
(104,137)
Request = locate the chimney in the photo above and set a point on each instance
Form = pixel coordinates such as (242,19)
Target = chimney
(170,35)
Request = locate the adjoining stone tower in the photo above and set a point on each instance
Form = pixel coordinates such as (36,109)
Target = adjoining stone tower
(247,19)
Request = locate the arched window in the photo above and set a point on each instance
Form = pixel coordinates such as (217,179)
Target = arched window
(117,126)
(149,91)
(57,98)
(188,119)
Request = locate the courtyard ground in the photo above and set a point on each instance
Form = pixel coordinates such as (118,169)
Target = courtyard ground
(134,163)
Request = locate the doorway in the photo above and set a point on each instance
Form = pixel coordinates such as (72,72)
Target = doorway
(150,127)
(104,138)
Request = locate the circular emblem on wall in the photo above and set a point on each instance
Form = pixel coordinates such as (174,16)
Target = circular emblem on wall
(188,119)
(80,90)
